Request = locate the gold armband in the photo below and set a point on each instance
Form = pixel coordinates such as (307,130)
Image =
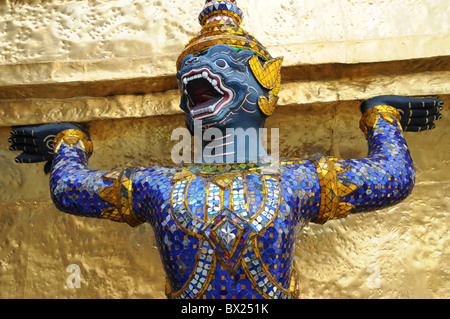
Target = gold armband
(120,195)
(370,118)
(73,137)
(331,189)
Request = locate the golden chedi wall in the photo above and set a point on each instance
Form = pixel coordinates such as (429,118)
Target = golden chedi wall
(111,64)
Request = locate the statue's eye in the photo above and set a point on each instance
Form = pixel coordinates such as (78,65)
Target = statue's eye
(221,63)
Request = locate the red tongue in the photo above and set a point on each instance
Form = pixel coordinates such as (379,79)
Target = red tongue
(203,94)
(203,98)
(201,90)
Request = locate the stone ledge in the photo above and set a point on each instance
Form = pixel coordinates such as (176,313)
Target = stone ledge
(82,109)
(58,86)
(142,75)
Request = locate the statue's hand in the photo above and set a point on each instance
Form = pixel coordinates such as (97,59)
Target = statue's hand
(36,142)
(417,114)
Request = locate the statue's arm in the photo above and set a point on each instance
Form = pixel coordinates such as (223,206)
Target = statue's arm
(75,189)
(386,176)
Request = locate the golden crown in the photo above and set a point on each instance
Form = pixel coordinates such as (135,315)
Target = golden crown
(220,21)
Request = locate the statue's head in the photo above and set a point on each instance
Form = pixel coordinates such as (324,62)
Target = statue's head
(227,78)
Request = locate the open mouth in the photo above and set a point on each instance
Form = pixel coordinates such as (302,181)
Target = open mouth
(205,92)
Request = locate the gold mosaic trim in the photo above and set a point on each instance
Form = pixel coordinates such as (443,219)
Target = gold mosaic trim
(229,33)
(226,13)
(331,190)
(210,169)
(119,194)
(295,285)
(370,118)
(269,76)
(73,137)
(220,174)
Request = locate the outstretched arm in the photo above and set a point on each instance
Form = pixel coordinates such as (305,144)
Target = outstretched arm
(75,189)
(386,176)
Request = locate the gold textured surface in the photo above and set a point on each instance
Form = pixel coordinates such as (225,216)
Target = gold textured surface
(105,48)
(79,30)
(407,242)
(342,87)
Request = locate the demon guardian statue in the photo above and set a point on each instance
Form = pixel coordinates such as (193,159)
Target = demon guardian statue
(226,226)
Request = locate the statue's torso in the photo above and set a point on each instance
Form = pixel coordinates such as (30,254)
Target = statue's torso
(229,235)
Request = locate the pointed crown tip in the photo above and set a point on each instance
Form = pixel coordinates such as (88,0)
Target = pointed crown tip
(224,10)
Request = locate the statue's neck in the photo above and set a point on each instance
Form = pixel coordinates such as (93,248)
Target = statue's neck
(231,145)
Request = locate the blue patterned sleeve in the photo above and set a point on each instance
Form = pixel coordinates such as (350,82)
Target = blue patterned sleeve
(79,191)
(383,178)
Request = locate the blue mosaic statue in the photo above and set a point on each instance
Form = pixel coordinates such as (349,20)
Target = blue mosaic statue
(226,226)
